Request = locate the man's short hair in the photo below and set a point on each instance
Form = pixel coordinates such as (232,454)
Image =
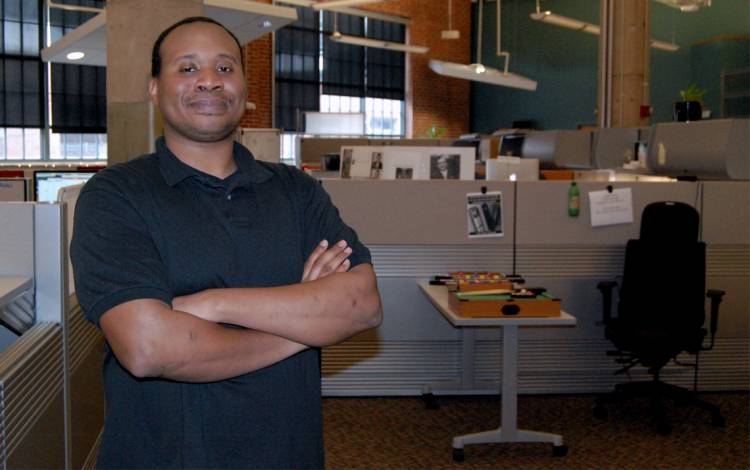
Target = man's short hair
(156,53)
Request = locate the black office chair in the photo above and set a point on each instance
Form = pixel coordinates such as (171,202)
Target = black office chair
(660,312)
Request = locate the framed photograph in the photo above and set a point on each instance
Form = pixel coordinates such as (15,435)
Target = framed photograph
(346,162)
(376,164)
(404,173)
(445,166)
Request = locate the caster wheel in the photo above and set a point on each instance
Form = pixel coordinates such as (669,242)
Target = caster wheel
(718,421)
(600,412)
(458,455)
(559,451)
(664,429)
(430,402)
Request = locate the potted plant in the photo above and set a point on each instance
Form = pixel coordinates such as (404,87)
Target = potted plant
(691,106)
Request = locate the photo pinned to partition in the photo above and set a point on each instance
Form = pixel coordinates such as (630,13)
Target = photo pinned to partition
(484,213)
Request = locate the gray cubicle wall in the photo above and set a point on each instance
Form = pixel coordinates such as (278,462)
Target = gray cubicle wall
(416,229)
(33,400)
(51,402)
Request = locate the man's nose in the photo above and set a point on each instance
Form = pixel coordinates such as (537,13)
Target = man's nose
(209,80)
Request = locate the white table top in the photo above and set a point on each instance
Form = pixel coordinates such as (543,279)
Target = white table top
(438,295)
(11,287)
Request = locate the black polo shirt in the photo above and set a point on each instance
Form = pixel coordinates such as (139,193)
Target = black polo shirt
(156,228)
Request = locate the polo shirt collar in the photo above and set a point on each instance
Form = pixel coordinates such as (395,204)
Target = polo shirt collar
(174,170)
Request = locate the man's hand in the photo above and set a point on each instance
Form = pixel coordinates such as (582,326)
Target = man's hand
(324,261)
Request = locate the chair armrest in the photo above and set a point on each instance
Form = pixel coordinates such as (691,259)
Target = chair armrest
(606,287)
(716,296)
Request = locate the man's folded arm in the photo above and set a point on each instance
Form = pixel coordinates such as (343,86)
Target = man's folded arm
(319,313)
(149,339)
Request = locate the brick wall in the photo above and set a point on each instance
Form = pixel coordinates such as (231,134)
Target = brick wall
(431,99)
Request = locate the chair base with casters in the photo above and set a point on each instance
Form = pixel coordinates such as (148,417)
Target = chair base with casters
(658,391)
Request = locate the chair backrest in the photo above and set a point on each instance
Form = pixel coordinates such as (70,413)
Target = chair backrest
(663,283)
(670,222)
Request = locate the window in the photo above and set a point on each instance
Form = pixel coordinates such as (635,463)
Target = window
(78,96)
(297,71)
(74,108)
(342,78)
(21,81)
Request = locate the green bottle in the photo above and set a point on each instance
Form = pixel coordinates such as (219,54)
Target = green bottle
(574,200)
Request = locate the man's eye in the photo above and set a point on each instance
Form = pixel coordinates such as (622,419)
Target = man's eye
(224,68)
(187,69)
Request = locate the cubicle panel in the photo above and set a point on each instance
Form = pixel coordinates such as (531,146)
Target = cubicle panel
(416,212)
(31,377)
(726,219)
(16,245)
(51,261)
(543,212)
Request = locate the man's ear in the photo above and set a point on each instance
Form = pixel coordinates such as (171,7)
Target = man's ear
(153,90)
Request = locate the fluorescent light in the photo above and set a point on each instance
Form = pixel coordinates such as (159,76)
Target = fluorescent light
(77,55)
(664,46)
(340,3)
(367,42)
(482,73)
(570,23)
(686,6)
(565,22)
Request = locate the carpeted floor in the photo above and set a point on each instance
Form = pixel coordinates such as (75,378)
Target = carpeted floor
(400,433)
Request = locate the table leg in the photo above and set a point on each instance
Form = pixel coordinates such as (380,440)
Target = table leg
(508,431)
(468,382)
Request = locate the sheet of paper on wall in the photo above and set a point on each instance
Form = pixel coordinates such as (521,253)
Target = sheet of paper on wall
(484,213)
(611,208)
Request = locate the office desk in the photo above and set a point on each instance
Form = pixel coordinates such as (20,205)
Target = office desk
(508,430)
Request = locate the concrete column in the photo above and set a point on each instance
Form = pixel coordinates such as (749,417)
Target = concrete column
(132,28)
(630,62)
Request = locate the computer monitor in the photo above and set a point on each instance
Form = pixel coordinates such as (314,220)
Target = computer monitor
(13,190)
(47,183)
(511,145)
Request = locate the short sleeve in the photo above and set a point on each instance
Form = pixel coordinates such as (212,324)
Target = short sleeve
(322,221)
(114,257)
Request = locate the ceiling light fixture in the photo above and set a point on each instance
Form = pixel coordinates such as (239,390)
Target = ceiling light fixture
(565,22)
(578,25)
(481,73)
(327,5)
(664,46)
(77,55)
(377,43)
(686,6)
(450,33)
(367,42)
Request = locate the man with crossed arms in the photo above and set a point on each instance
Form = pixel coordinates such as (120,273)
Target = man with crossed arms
(214,278)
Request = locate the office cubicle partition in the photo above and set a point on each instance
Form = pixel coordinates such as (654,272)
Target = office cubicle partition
(417,229)
(51,405)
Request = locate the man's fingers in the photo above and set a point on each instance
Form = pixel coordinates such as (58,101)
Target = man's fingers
(344,267)
(320,248)
(329,261)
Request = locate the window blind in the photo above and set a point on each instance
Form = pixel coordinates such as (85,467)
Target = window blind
(21,73)
(78,92)
(297,71)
